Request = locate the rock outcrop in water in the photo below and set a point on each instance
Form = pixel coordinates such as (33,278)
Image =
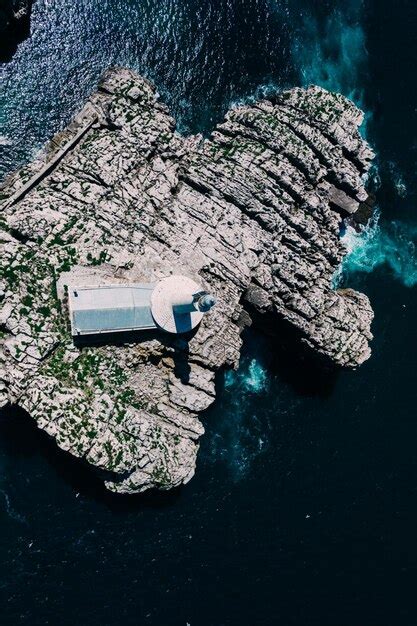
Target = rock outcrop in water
(255,211)
(14,26)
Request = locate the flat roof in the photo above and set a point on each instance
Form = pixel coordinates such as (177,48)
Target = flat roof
(110,308)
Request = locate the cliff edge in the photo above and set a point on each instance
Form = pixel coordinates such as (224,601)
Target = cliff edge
(254,212)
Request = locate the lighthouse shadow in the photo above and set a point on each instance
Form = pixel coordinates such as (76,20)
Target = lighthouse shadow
(179,345)
(180,354)
(117,338)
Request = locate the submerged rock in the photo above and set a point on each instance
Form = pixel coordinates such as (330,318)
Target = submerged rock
(254,212)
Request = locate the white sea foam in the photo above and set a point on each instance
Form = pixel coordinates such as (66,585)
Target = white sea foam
(250,378)
(243,436)
(334,56)
(262,92)
(392,244)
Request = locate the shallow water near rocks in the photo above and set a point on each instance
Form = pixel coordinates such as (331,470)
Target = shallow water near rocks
(304,507)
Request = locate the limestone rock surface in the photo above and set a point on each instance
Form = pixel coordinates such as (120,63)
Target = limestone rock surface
(254,213)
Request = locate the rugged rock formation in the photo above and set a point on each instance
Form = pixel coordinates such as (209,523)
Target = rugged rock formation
(14,26)
(255,211)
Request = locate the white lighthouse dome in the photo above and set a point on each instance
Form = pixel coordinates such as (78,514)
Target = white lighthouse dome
(178,304)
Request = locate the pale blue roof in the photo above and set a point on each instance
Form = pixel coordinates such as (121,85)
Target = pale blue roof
(110,308)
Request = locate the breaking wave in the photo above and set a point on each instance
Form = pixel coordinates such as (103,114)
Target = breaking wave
(243,435)
(390,244)
(251,378)
(332,53)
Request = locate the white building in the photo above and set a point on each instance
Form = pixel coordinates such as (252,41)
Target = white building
(175,304)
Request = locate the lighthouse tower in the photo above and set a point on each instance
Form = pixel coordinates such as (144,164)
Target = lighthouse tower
(178,304)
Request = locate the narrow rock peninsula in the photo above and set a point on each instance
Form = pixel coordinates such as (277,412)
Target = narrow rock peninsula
(253,213)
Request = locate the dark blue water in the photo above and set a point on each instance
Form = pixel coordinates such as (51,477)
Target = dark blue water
(304,508)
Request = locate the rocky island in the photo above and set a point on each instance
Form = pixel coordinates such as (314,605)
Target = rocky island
(254,212)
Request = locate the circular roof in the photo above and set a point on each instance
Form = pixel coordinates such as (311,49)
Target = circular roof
(168,291)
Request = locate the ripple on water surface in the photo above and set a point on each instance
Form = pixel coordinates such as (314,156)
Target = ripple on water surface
(202,56)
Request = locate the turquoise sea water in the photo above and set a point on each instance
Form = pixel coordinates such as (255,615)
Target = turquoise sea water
(303,510)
